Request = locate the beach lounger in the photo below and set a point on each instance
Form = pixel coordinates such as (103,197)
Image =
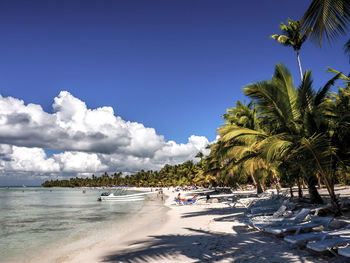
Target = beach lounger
(268,210)
(190,202)
(302,239)
(328,244)
(298,218)
(275,210)
(269,206)
(344,251)
(261,200)
(315,222)
(277,214)
(178,202)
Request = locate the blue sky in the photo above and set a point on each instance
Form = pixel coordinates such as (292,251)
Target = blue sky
(174,66)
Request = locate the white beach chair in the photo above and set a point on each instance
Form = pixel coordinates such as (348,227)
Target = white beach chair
(329,244)
(300,217)
(344,251)
(277,209)
(277,214)
(301,239)
(247,202)
(315,222)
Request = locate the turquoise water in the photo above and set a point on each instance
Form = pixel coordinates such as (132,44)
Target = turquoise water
(33,219)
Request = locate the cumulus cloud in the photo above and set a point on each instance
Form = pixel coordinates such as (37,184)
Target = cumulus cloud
(92,140)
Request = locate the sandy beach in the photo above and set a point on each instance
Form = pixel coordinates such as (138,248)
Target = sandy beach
(165,232)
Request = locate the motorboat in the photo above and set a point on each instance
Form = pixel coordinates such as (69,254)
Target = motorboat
(105,196)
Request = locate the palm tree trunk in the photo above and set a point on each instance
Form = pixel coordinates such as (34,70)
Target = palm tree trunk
(330,188)
(331,192)
(311,181)
(314,195)
(291,191)
(300,190)
(319,181)
(258,186)
(300,70)
(277,182)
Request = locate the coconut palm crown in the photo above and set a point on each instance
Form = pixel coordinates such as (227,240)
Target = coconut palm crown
(294,37)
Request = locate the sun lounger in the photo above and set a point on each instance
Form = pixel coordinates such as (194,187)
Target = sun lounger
(328,244)
(344,251)
(315,211)
(188,202)
(261,200)
(277,214)
(298,218)
(177,201)
(275,210)
(268,210)
(315,222)
(302,239)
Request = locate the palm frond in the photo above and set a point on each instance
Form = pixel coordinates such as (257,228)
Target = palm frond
(327,18)
(347,47)
(275,147)
(242,132)
(316,150)
(276,99)
(342,76)
(321,93)
(306,93)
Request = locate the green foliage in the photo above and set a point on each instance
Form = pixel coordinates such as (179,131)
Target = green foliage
(328,19)
(187,173)
(294,36)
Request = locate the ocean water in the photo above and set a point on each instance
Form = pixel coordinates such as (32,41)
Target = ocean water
(35,219)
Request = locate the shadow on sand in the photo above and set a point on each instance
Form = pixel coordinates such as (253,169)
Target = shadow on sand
(238,212)
(204,246)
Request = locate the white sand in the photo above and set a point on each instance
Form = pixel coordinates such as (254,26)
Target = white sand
(190,234)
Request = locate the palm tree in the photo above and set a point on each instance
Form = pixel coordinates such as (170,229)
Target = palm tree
(200,155)
(241,153)
(294,37)
(329,19)
(300,134)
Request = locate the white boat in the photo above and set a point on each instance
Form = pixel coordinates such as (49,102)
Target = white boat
(122,198)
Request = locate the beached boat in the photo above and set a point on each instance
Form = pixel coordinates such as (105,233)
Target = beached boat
(123,198)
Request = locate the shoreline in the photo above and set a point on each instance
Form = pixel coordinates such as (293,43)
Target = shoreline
(147,219)
(193,233)
(86,239)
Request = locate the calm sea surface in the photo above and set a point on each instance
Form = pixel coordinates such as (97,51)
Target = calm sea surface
(33,219)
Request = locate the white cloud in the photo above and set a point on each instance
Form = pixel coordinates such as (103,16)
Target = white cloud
(92,140)
(24,159)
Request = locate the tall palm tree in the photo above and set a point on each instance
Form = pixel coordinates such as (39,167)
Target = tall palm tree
(200,155)
(241,152)
(294,37)
(329,19)
(300,134)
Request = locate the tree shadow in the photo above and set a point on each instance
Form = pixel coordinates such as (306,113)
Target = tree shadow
(216,211)
(205,246)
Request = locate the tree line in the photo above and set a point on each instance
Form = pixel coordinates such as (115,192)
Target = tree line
(187,173)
